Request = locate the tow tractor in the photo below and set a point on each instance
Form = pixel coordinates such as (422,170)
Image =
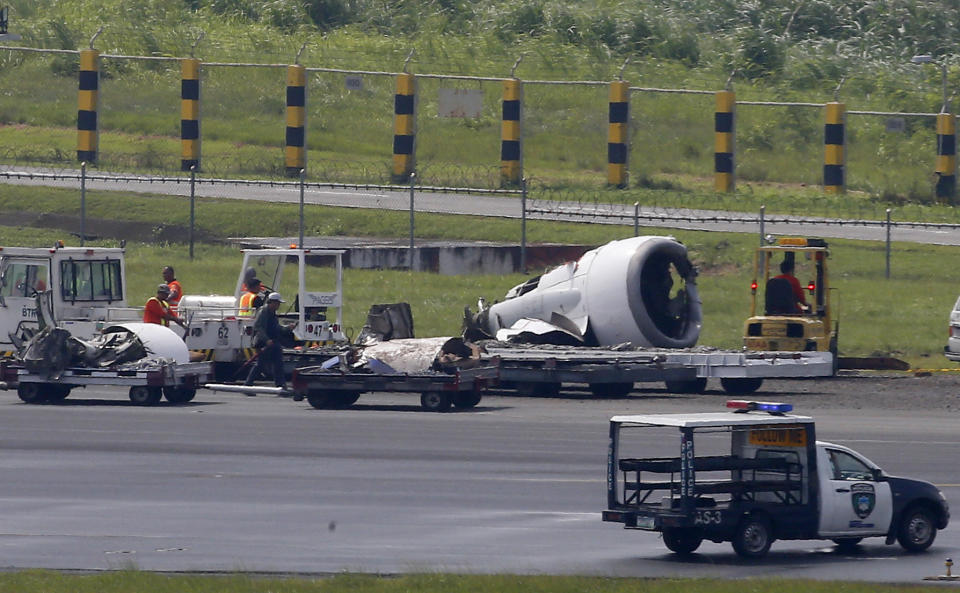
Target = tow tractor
(755,474)
(777,320)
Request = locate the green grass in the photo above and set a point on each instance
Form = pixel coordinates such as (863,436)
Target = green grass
(132,580)
(904,316)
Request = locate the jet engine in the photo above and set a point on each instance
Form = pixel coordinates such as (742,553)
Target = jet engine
(640,290)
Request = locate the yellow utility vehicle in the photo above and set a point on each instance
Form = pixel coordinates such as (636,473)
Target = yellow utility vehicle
(787,314)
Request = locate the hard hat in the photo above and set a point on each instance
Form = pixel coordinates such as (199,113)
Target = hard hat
(163,288)
(275,296)
(253,282)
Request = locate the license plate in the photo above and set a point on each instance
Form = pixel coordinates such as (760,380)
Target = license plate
(645,522)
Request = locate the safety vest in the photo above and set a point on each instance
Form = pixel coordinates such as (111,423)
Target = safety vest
(163,320)
(246,304)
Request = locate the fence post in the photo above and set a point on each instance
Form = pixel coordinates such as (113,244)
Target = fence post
(636,219)
(193,195)
(523,225)
(834,149)
(618,134)
(946,156)
(83,202)
(413,177)
(888,243)
(763,223)
(303,179)
(511,133)
(295,152)
(88,140)
(724,125)
(404,127)
(190,114)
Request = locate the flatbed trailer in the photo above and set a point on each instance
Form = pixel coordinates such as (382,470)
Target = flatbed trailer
(439,390)
(148,382)
(612,371)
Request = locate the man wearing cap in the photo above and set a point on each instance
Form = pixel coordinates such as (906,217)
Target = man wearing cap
(266,334)
(158,311)
(251,299)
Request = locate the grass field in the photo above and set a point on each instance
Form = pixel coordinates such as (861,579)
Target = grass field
(903,316)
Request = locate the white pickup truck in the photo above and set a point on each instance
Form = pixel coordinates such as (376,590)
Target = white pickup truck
(758,475)
(952,349)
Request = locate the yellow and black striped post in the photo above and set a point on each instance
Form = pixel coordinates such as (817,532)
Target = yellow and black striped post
(295,152)
(511,133)
(88,140)
(946,155)
(834,148)
(189,114)
(723,150)
(404,127)
(617,135)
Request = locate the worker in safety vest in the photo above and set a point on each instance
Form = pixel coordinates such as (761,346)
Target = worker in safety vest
(158,311)
(251,300)
(176,290)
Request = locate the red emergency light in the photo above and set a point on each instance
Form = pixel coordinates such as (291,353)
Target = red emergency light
(742,405)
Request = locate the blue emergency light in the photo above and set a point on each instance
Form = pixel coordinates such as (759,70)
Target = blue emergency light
(742,405)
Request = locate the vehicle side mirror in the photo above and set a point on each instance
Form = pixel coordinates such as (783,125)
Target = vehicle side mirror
(878,475)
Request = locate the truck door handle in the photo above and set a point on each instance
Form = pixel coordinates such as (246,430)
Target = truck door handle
(843,490)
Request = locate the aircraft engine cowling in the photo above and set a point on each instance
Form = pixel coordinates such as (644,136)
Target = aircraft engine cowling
(640,290)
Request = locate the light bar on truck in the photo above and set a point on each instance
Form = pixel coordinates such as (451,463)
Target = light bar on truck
(742,405)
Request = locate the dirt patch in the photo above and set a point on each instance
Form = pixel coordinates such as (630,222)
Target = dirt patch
(103,228)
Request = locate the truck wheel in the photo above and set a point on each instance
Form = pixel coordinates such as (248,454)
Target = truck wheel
(344,399)
(847,544)
(435,401)
(320,400)
(32,393)
(682,541)
(466,399)
(753,537)
(179,395)
(741,385)
(145,396)
(917,529)
(611,390)
(698,385)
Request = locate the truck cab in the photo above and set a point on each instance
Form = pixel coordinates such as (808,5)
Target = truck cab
(755,474)
(781,319)
(87,288)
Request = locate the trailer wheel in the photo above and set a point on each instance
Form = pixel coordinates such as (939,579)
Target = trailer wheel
(698,385)
(32,393)
(741,385)
(611,390)
(753,537)
(466,399)
(179,395)
(58,393)
(320,400)
(343,399)
(917,529)
(435,401)
(682,541)
(145,396)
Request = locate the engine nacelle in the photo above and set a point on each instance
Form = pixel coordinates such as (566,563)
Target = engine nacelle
(640,290)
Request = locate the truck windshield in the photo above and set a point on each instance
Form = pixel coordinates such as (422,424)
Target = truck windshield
(24,280)
(91,280)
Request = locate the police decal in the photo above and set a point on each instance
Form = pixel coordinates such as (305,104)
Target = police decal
(864,499)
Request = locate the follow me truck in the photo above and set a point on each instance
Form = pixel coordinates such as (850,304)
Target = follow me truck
(771,480)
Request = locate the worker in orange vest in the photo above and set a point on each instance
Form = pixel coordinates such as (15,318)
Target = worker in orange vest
(158,311)
(251,300)
(176,290)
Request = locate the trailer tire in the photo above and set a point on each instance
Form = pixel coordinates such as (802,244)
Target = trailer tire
(917,529)
(32,393)
(611,390)
(698,385)
(343,399)
(58,393)
(681,540)
(741,385)
(466,399)
(179,395)
(753,537)
(320,400)
(435,401)
(145,396)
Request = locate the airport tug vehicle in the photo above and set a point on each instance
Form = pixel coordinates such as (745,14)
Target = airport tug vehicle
(755,474)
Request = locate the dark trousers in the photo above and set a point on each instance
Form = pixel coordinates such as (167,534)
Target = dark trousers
(271,361)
